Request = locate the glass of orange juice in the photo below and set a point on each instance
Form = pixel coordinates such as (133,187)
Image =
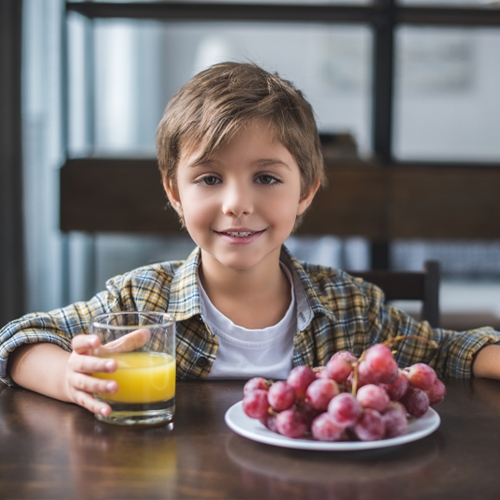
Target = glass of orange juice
(143,345)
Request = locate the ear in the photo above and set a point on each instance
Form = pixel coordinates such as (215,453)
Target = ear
(173,196)
(307,198)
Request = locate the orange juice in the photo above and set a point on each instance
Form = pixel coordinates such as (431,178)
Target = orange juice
(143,377)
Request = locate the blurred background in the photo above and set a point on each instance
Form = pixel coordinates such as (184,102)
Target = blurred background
(389,88)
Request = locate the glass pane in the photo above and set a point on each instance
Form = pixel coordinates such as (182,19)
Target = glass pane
(447,101)
(140,64)
(464,259)
(470,286)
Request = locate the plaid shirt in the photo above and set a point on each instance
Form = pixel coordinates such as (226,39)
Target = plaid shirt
(334,312)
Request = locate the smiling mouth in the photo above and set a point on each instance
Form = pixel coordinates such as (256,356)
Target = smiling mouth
(239,234)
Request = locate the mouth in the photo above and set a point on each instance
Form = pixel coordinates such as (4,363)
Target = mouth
(239,234)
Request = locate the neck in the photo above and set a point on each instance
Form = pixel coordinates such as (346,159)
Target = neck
(253,298)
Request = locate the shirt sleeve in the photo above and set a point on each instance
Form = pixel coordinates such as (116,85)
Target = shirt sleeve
(450,353)
(58,326)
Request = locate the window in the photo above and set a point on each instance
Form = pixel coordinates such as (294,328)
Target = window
(412,82)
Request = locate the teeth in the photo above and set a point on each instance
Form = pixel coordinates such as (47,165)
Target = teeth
(240,235)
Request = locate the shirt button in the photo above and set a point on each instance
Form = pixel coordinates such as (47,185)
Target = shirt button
(202,362)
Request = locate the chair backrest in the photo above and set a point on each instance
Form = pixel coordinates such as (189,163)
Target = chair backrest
(400,285)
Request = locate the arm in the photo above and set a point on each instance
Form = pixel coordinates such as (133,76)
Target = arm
(40,368)
(486,363)
(50,370)
(457,354)
(49,352)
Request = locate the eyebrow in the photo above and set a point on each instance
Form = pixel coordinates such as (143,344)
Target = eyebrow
(260,162)
(272,161)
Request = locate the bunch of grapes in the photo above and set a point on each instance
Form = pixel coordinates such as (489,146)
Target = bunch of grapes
(365,399)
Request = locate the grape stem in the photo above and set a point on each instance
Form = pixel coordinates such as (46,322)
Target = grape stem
(389,343)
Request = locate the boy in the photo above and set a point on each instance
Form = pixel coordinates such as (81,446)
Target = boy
(240,161)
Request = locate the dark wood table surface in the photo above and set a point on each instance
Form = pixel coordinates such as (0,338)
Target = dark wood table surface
(53,450)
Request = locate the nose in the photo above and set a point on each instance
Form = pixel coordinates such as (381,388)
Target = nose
(237,200)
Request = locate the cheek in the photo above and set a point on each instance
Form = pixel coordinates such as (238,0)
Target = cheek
(196,210)
(284,208)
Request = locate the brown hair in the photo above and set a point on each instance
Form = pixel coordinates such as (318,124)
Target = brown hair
(215,103)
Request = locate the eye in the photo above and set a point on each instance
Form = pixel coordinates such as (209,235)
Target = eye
(209,180)
(267,179)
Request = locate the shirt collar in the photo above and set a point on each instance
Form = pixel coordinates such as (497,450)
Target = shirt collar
(306,292)
(184,299)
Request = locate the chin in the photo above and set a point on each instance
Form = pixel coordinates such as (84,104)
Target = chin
(238,265)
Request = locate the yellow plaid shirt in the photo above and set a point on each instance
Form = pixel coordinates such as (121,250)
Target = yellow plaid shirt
(334,312)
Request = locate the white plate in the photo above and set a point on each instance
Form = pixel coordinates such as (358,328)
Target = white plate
(251,428)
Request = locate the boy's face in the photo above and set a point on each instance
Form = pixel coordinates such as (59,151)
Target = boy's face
(240,205)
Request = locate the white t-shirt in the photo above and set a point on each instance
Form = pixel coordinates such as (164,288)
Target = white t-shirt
(246,353)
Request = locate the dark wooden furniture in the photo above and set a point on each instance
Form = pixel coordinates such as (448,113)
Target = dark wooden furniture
(50,449)
(369,199)
(402,285)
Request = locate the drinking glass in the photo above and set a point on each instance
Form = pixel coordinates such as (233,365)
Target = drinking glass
(143,345)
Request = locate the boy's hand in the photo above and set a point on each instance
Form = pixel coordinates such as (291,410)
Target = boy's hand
(129,342)
(79,380)
(487,362)
(86,359)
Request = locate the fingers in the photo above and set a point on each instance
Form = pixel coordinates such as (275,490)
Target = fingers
(82,363)
(91,364)
(88,358)
(91,344)
(92,385)
(84,344)
(82,388)
(131,341)
(90,403)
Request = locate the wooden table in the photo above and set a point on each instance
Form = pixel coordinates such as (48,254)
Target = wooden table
(54,450)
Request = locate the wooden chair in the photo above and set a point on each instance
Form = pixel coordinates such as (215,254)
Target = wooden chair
(402,285)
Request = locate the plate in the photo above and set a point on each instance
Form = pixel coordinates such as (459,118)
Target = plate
(251,428)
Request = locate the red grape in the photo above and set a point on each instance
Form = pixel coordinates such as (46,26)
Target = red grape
(291,424)
(307,411)
(269,421)
(346,355)
(381,363)
(256,383)
(421,375)
(299,378)
(397,389)
(281,396)
(338,368)
(320,393)
(436,393)
(344,409)
(365,375)
(373,396)
(369,426)
(324,428)
(395,420)
(415,401)
(321,372)
(256,404)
